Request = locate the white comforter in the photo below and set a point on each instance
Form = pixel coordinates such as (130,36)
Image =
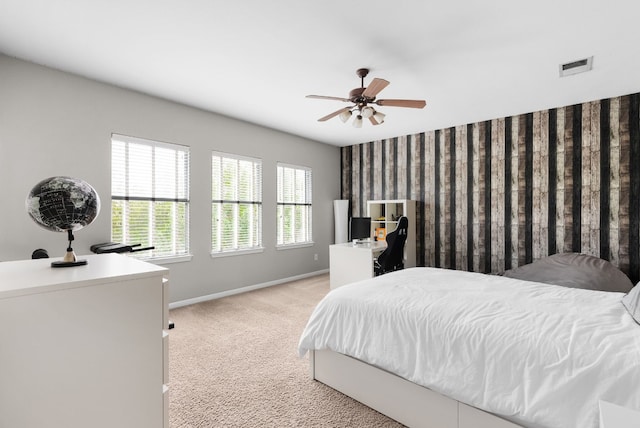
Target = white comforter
(539,355)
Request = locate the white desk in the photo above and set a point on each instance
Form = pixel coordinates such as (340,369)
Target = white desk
(352,262)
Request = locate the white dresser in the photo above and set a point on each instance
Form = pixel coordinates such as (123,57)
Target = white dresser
(84,346)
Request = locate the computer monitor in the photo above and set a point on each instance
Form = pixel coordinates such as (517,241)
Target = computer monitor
(360,228)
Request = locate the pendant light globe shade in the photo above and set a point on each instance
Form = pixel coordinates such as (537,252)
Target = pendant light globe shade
(345,115)
(357,122)
(379,117)
(367,112)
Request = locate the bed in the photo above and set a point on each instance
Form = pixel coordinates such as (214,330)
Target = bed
(440,348)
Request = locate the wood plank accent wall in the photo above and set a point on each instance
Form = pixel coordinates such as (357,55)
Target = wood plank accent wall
(498,194)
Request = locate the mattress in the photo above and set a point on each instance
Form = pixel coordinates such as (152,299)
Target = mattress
(539,355)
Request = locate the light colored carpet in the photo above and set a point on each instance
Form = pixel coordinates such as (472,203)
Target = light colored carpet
(234,363)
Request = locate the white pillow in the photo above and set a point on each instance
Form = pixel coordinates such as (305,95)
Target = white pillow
(631,301)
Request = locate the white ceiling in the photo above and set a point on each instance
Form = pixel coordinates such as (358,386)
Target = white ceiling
(256,60)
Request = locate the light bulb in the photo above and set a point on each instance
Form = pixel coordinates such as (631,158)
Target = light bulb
(367,112)
(357,122)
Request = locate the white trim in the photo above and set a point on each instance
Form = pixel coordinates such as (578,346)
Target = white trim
(281,203)
(176,191)
(230,253)
(255,203)
(153,143)
(240,290)
(235,156)
(292,166)
(295,245)
(168,260)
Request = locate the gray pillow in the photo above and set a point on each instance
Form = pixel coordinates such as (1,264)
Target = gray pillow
(576,271)
(632,302)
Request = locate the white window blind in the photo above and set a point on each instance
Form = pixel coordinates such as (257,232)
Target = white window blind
(294,205)
(236,203)
(150,196)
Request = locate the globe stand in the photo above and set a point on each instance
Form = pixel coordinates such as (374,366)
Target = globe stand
(69,258)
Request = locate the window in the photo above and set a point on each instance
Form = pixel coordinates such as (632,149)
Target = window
(294,205)
(150,196)
(236,204)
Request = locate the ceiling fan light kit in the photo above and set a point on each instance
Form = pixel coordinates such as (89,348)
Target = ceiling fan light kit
(378,117)
(367,112)
(361,98)
(345,116)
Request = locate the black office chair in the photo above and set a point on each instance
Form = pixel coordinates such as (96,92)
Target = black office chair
(392,258)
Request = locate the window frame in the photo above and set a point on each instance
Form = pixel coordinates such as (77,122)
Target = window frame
(307,203)
(256,190)
(181,186)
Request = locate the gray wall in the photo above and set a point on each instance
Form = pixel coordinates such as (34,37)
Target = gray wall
(55,123)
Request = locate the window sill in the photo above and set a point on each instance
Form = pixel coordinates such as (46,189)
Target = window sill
(168,260)
(237,252)
(294,246)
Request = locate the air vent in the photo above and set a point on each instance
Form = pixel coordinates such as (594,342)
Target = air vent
(575,67)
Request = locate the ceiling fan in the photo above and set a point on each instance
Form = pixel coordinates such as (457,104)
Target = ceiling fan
(361,98)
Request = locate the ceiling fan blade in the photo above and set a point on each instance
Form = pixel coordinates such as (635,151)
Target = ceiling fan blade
(334,114)
(375,87)
(402,103)
(323,97)
(374,121)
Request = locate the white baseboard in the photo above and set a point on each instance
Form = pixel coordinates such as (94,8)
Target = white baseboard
(226,293)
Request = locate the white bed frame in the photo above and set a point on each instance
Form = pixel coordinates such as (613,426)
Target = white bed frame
(406,402)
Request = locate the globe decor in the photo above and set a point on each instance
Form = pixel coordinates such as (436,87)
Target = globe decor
(63,204)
